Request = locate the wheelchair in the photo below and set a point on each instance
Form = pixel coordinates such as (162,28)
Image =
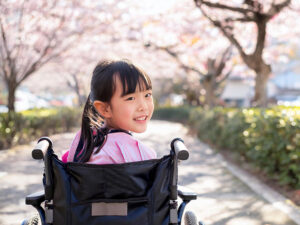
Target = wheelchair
(142,193)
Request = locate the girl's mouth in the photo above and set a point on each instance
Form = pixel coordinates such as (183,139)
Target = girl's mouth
(141,118)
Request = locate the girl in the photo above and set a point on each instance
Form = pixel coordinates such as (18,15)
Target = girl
(120,102)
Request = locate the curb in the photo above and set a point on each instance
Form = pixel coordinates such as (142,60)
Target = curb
(277,200)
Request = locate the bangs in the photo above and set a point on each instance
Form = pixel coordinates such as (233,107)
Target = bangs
(132,78)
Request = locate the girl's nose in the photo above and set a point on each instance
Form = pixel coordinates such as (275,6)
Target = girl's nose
(142,105)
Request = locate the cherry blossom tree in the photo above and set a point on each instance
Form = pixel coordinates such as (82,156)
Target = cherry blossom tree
(74,65)
(32,33)
(210,79)
(230,17)
(74,82)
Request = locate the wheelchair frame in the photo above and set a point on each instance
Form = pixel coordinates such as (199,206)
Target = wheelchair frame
(44,148)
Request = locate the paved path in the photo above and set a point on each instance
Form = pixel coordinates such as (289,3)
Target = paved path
(222,198)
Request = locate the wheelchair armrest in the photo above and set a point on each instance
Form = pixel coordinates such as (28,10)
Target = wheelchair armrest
(185,194)
(35,199)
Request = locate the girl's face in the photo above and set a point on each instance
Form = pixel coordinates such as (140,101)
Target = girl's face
(131,112)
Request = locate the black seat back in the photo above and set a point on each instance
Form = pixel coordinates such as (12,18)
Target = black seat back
(123,194)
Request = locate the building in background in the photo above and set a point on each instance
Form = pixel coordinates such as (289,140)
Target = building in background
(238,92)
(286,88)
(282,89)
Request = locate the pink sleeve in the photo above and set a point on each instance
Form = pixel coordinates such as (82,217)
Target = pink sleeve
(73,147)
(64,157)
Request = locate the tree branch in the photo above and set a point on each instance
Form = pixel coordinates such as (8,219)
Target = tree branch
(40,62)
(34,66)
(4,41)
(255,5)
(5,54)
(240,19)
(229,36)
(222,6)
(43,60)
(217,66)
(225,77)
(226,54)
(225,57)
(220,67)
(2,63)
(18,46)
(176,57)
(276,8)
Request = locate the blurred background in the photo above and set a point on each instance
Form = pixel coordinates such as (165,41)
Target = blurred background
(48,50)
(236,54)
(228,70)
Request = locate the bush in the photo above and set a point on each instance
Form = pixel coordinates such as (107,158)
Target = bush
(273,143)
(19,128)
(269,138)
(10,126)
(172,113)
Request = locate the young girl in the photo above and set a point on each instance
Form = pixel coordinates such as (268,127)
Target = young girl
(120,102)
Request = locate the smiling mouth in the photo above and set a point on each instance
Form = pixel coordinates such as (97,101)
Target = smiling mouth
(142,118)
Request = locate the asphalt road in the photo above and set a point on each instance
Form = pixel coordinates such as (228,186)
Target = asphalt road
(223,199)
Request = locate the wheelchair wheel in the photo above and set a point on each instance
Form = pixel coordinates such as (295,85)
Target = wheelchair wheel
(35,220)
(190,218)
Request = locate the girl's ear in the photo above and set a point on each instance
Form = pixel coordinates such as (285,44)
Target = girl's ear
(103,108)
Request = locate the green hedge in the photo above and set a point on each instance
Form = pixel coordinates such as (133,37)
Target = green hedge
(175,114)
(19,128)
(269,138)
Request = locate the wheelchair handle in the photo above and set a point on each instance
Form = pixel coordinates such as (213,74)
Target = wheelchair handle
(41,151)
(180,149)
(41,148)
(180,153)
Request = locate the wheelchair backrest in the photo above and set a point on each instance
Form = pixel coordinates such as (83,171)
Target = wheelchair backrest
(123,194)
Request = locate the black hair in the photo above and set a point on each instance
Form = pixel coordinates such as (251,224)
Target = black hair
(103,87)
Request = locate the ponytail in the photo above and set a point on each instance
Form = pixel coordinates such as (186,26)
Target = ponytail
(92,133)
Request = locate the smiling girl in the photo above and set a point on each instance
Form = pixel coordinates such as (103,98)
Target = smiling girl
(120,102)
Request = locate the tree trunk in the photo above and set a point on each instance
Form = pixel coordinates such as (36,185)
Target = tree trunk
(261,80)
(77,87)
(12,87)
(210,97)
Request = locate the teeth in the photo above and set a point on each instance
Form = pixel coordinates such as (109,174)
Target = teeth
(141,118)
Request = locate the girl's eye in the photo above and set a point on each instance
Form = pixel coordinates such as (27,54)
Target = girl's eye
(130,99)
(148,95)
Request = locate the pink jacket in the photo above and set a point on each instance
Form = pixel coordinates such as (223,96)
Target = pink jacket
(119,147)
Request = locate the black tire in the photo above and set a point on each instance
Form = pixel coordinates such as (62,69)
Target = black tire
(190,218)
(35,220)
